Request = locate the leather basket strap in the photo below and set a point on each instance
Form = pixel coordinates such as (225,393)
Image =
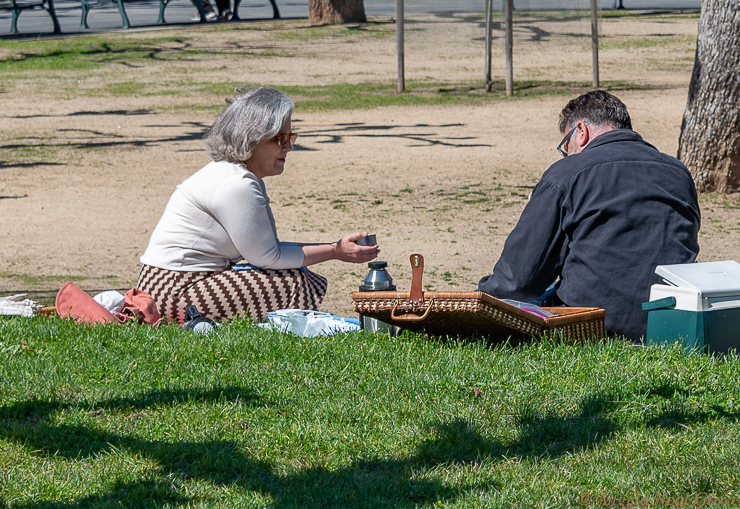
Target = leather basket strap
(416,295)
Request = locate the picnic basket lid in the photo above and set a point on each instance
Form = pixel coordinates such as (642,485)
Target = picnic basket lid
(467,313)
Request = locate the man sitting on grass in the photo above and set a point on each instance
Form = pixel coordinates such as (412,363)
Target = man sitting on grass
(600,220)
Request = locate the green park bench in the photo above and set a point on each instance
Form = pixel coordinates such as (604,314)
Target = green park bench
(275,11)
(18,7)
(89,4)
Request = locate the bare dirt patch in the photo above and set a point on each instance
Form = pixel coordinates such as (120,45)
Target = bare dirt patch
(91,154)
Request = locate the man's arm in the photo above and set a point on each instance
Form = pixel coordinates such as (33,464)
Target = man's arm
(535,250)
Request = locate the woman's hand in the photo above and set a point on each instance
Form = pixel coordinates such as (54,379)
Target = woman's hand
(344,249)
(349,251)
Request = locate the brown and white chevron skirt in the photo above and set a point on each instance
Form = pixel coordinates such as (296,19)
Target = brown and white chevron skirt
(226,295)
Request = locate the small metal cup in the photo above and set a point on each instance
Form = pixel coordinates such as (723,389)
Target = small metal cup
(370,240)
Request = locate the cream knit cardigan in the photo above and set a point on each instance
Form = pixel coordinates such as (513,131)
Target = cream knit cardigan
(216,217)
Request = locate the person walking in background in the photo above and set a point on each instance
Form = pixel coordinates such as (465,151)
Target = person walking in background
(224,10)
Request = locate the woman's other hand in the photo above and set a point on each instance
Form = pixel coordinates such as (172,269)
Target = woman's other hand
(349,251)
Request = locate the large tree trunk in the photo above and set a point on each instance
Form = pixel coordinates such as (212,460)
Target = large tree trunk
(709,144)
(334,12)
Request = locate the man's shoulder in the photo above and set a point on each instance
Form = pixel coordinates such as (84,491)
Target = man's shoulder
(561,173)
(615,149)
(624,145)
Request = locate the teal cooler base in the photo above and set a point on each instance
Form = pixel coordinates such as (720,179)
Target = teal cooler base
(673,325)
(722,330)
(716,331)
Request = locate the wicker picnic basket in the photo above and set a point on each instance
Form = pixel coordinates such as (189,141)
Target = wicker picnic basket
(468,313)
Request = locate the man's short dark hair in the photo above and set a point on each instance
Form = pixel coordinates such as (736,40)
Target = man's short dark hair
(598,108)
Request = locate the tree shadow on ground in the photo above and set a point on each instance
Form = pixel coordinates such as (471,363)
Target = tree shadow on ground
(4,164)
(532,28)
(117,51)
(90,139)
(194,131)
(433,134)
(127,113)
(367,483)
(527,29)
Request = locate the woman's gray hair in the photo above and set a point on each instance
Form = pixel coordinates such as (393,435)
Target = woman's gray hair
(254,115)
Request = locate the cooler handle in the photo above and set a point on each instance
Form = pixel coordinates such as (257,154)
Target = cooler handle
(668,302)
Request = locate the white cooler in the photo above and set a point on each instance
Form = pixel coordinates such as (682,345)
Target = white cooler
(699,306)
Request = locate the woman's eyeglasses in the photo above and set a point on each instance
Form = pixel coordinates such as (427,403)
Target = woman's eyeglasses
(563,146)
(283,137)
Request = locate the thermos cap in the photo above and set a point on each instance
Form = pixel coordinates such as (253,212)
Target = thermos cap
(377,265)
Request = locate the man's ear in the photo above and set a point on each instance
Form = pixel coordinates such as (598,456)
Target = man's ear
(582,135)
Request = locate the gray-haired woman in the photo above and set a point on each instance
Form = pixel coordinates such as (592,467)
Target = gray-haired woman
(221,215)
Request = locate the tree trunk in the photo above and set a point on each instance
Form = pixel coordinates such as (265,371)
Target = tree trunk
(709,144)
(334,12)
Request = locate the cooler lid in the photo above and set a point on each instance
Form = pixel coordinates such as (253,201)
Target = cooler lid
(710,278)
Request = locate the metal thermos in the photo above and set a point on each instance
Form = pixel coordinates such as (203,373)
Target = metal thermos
(377,280)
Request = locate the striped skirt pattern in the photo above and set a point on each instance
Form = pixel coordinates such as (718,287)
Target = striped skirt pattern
(226,295)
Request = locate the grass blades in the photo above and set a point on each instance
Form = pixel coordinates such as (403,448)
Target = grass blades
(88,52)
(144,417)
(83,53)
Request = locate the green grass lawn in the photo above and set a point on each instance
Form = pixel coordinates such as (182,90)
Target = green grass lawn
(135,416)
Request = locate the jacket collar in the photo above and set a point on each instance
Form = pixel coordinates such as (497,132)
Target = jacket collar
(614,136)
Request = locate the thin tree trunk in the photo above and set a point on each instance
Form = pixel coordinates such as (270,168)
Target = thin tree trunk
(509,8)
(595,41)
(709,144)
(489,14)
(400,46)
(335,12)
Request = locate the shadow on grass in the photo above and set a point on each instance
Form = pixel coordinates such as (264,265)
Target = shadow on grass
(399,483)
(88,52)
(670,407)
(372,483)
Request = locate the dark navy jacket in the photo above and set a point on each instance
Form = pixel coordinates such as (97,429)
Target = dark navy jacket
(602,220)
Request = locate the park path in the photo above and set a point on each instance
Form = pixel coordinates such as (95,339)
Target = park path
(144,14)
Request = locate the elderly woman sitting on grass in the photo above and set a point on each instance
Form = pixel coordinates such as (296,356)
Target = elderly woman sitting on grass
(221,215)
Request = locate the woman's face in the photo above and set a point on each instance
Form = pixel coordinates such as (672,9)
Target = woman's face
(268,158)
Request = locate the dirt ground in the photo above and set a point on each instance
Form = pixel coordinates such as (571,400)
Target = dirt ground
(87,168)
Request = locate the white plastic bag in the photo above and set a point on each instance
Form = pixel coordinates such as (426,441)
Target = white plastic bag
(306,323)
